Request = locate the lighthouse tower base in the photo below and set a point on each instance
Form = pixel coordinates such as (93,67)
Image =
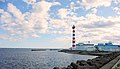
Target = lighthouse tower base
(73,48)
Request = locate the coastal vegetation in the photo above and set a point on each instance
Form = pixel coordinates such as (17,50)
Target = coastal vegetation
(117,66)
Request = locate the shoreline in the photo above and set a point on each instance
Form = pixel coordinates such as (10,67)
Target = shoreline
(96,63)
(94,53)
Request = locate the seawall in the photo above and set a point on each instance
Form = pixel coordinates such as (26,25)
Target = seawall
(95,63)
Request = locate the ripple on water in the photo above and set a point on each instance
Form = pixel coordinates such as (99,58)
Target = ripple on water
(26,59)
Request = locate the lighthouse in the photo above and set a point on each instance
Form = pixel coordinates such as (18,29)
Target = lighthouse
(73,37)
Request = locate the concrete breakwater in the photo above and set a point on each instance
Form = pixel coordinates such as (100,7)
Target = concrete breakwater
(95,63)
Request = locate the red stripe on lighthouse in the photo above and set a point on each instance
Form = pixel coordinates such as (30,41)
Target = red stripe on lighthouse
(73,36)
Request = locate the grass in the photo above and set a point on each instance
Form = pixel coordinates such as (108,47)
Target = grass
(118,65)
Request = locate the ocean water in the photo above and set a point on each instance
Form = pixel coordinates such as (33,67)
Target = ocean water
(11,58)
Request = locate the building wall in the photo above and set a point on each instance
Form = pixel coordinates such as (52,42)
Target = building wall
(108,48)
(87,48)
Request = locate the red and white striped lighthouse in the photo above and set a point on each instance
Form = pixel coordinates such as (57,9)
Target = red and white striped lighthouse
(73,37)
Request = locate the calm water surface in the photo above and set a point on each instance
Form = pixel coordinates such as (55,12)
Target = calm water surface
(27,59)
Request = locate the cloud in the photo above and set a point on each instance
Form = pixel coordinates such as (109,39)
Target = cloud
(88,4)
(2,0)
(16,12)
(29,1)
(88,27)
(94,10)
(116,1)
(37,21)
(35,35)
(62,41)
(112,38)
(3,37)
(1,10)
(98,25)
(20,25)
(62,12)
(40,15)
(117,10)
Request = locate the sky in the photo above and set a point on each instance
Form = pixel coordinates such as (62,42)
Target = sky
(47,23)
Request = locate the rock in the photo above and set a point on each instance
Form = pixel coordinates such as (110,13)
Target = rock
(64,68)
(56,68)
(95,63)
(82,63)
(90,63)
(69,67)
(75,66)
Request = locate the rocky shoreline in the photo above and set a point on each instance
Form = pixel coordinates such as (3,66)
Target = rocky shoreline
(95,63)
(94,53)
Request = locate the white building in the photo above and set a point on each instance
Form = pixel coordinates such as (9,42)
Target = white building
(107,47)
(83,46)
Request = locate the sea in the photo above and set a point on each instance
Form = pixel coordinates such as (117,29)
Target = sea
(24,58)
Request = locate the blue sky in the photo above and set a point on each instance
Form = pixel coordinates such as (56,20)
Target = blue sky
(47,23)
